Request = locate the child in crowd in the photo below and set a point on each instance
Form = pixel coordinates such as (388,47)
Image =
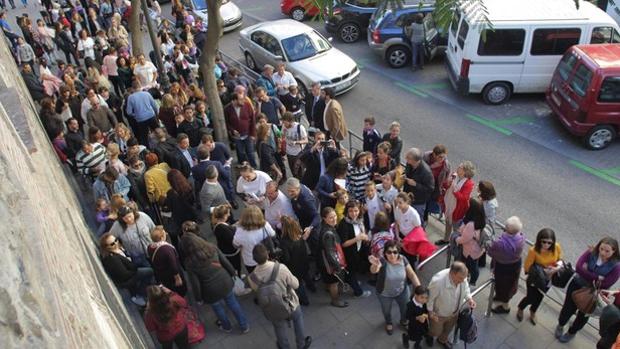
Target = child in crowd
(103,216)
(371,136)
(387,191)
(373,204)
(417,315)
(342,197)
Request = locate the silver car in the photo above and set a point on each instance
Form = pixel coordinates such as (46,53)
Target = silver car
(231,15)
(308,55)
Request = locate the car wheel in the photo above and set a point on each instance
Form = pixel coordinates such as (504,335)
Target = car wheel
(298,14)
(398,56)
(496,93)
(301,87)
(599,137)
(349,32)
(249,61)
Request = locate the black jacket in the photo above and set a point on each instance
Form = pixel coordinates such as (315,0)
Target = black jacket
(295,256)
(314,113)
(346,232)
(211,280)
(165,149)
(177,160)
(198,172)
(120,268)
(328,239)
(425,182)
(397,146)
(35,87)
(313,164)
(182,208)
(304,207)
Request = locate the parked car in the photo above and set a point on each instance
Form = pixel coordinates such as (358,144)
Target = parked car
(525,44)
(386,33)
(350,19)
(231,15)
(585,92)
(308,55)
(299,9)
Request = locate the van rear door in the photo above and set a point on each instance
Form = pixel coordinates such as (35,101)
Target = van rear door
(570,87)
(547,46)
(457,33)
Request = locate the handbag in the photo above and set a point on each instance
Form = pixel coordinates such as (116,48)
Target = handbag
(339,257)
(561,278)
(195,330)
(275,252)
(586,298)
(536,277)
(239,287)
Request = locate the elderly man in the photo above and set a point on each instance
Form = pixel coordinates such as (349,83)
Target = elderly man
(304,205)
(100,116)
(266,80)
(447,291)
(419,180)
(212,193)
(276,205)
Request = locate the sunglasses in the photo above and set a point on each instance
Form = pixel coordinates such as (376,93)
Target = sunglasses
(113,242)
(391,252)
(546,242)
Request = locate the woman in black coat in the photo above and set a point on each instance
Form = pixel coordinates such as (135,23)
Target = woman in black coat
(122,270)
(180,200)
(354,244)
(295,255)
(224,235)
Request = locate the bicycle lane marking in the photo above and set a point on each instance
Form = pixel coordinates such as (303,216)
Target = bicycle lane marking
(602,174)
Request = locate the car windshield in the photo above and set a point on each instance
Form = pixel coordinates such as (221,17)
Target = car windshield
(304,46)
(200,5)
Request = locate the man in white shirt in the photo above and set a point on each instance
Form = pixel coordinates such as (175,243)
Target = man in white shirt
(146,73)
(447,290)
(276,205)
(283,79)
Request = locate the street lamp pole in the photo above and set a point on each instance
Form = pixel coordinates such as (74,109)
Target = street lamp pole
(165,82)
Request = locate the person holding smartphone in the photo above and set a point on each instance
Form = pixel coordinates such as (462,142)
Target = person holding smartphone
(316,158)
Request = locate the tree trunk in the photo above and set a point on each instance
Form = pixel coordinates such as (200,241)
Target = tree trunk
(207,65)
(134,27)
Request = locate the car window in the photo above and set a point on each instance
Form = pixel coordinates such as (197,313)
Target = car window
(405,19)
(610,90)
(603,35)
(581,80)
(429,22)
(258,37)
(463,33)
(553,42)
(272,45)
(455,22)
(303,46)
(501,42)
(566,65)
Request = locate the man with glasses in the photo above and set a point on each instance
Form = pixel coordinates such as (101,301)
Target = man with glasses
(447,290)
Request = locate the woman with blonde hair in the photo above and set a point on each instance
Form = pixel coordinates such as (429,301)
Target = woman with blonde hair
(295,255)
(117,34)
(224,235)
(456,198)
(252,229)
(178,94)
(121,135)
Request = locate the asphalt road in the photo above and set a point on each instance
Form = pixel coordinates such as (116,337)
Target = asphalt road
(541,173)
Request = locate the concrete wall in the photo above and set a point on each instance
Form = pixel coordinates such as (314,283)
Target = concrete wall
(53,290)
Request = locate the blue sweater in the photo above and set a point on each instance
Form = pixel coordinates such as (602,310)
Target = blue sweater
(141,106)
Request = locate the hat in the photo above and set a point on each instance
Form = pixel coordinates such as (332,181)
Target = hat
(123,211)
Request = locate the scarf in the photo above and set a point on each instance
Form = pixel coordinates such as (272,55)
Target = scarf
(602,269)
(137,172)
(459,184)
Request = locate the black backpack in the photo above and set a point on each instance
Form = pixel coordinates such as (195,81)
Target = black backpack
(467,326)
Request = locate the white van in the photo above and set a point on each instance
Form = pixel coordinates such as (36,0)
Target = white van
(520,51)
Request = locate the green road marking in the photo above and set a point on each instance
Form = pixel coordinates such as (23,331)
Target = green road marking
(599,173)
(490,124)
(515,120)
(612,170)
(410,89)
(435,86)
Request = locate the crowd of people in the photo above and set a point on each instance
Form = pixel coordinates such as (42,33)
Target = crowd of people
(302,209)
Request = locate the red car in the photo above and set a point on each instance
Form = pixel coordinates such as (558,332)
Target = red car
(299,9)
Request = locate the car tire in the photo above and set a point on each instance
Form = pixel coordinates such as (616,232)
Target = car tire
(249,61)
(349,32)
(599,137)
(496,93)
(298,14)
(301,87)
(398,56)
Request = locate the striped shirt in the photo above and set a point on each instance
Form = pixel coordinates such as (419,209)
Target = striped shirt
(86,163)
(356,180)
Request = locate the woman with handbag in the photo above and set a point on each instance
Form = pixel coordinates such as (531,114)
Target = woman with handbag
(295,255)
(597,269)
(224,235)
(469,236)
(165,261)
(545,256)
(252,229)
(331,256)
(211,276)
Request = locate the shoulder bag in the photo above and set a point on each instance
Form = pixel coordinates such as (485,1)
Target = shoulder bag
(586,298)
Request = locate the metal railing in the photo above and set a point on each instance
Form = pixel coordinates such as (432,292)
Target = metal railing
(489,283)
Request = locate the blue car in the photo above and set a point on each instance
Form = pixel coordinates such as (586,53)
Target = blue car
(386,33)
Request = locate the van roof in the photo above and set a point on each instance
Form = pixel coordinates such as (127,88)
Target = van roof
(558,11)
(603,55)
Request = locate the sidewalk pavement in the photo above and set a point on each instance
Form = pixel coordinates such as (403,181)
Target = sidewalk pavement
(361,325)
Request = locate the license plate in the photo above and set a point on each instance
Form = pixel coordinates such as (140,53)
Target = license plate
(556,99)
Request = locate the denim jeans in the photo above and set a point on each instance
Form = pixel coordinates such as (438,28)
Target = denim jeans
(420,208)
(298,323)
(302,293)
(245,151)
(401,300)
(351,279)
(417,54)
(234,306)
(474,270)
(144,277)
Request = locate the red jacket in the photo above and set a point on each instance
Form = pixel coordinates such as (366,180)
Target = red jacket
(167,331)
(462,200)
(245,123)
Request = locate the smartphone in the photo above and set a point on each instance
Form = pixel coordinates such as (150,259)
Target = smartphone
(325,143)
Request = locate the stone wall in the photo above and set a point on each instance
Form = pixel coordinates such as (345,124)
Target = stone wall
(53,290)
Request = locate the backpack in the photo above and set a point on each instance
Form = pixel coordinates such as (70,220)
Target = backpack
(467,326)
(274,299)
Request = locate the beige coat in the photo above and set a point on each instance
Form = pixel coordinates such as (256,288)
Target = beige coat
(285,277)
(334,121)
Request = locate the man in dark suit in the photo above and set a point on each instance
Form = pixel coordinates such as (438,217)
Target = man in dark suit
(316,158)
(180,158)
(199,172)
(315,107)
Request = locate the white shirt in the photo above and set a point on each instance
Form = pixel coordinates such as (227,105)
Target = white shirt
(88,46)
(277,208)
(406,221)
(444,297)
(286,80)
(247,239)
(388,195)
(374,206)
(144,73)
(257,187)
(295,133)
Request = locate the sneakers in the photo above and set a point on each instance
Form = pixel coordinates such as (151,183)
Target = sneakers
(566,337)
(245,330)
(520,315)
(364,294)
(139,301)
(221,327)
(559,331)
(339,304)
(307,342)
